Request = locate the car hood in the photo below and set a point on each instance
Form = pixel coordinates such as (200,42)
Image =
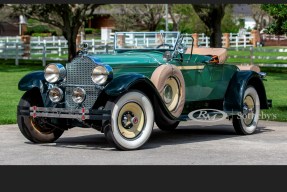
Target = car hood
(129,59)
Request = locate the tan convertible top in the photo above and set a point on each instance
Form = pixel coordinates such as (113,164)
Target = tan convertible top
(220,52)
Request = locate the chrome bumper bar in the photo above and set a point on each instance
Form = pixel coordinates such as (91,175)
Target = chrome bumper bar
(50,112)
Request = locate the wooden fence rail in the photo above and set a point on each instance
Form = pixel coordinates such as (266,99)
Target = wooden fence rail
(56,48)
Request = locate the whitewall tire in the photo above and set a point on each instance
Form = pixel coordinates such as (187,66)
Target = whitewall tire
(132,120)
(246,123)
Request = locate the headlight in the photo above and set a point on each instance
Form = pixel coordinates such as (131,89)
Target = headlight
(79,95)
(54,72)
(100,74)
(56,94)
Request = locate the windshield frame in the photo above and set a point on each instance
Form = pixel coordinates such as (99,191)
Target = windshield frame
(117,48)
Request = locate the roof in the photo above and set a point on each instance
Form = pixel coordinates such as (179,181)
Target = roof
(242,10)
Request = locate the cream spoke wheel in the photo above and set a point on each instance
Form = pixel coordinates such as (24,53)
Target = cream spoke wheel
(249,110)
(132,120)
(246,123)
(171,93)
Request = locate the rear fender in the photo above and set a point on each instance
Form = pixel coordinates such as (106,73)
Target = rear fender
(233,100)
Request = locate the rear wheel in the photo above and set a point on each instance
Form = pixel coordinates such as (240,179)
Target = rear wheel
(131,122)
(36,129)
(246,123)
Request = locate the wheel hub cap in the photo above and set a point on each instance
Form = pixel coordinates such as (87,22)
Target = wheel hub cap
(128,120)
(167,94)
(131,120)
(248,110)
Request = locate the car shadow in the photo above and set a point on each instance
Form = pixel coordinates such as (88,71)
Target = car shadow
(181,135)
(194,134)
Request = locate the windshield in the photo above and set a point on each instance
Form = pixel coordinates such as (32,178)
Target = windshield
(146,40)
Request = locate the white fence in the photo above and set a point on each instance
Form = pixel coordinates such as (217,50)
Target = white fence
(56,47)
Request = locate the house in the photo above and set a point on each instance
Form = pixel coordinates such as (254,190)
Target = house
(247,13)
(9,29)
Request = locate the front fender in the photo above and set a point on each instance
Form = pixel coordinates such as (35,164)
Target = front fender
(135,81)
(31,80)
(122,83)
(233,100)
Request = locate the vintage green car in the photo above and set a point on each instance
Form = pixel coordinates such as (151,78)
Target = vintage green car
(150,77)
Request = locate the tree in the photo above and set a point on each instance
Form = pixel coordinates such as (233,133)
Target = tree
(185,19)
(137,16)
(178,13)
(259,16)
(279,14)
(229,24)
(5,16)
(212,15)
(67,17)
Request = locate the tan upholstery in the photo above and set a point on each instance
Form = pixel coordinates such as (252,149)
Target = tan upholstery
(159,77)
(249,67)
(220,52)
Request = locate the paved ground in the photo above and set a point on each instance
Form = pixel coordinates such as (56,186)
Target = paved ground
(191,143)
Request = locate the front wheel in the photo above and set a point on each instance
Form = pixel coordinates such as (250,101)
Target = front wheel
(131,122)
(36,130)
(246,123)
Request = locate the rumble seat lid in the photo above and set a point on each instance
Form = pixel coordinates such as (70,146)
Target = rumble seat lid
(220,52)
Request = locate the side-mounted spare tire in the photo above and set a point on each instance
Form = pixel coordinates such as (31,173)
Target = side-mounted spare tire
(169,82)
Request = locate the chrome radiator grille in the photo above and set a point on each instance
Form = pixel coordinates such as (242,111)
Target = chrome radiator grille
(79,73)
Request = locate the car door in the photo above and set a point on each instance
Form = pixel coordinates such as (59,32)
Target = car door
(192,72)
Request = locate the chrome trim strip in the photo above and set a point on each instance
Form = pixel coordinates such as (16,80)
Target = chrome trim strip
(190,67)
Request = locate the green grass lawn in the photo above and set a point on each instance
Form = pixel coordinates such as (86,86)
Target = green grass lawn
(276,90)
(257,52)
(10,95)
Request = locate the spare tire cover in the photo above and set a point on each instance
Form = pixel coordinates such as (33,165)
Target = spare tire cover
(169,82)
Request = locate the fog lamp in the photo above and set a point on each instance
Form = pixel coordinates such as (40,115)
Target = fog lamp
(79,95)
(56,94)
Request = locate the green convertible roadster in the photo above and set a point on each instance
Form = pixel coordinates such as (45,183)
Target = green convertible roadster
(150,77)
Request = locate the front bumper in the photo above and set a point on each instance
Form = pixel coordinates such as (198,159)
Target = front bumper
(49,112)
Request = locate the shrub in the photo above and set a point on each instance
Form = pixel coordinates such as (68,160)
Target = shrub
(41,34)
(90,31)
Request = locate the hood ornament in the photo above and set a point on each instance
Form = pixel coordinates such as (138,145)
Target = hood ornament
(83,49)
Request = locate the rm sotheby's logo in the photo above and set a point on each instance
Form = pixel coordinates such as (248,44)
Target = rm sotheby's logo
(207,115)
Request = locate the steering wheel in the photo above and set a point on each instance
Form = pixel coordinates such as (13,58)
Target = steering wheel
(179,50)
(164,44)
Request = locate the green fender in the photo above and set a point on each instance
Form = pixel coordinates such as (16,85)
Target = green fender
(31,80)
(135,81)
(233,100)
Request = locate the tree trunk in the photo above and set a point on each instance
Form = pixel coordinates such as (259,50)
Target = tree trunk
(216,34)
(212,16)
(72,48)
(175,26)
(71,36)
(152,27)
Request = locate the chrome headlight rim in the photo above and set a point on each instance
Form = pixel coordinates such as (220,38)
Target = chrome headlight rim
(60,94)
(54,72)
(102,74)
(75,97)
